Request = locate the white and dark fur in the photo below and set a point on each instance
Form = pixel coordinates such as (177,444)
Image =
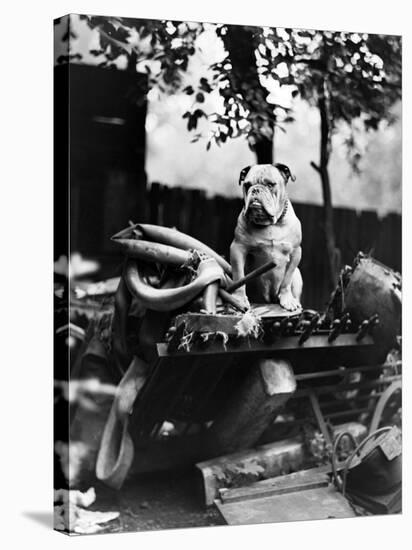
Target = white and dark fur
(268,229)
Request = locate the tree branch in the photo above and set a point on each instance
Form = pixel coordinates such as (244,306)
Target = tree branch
(315,166)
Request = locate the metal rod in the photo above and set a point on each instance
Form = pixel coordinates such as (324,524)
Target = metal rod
(252,275)
(348,412)
(314,401)
(338,372)
(344,387)
(335,403)
(232,300)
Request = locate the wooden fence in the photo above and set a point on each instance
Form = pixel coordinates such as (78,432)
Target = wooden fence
(213,219)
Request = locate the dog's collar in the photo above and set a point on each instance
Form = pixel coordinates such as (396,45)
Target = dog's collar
(285,209)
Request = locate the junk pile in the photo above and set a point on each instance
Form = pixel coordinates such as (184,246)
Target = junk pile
(189,355)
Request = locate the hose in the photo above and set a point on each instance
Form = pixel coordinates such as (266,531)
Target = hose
(168,299)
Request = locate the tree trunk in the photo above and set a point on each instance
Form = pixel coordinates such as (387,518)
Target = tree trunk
(264,151)
(240,44)
(334,256)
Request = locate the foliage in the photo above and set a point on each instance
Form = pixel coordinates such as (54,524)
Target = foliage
(164,49)
(358,74)
(168,43)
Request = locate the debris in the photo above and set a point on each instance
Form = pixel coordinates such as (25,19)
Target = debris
(186,340)
(206,336)
(248,325)
(70,515)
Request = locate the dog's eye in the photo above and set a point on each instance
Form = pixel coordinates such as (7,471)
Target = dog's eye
(247,187)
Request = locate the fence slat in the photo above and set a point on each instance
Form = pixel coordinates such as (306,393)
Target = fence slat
(369,228)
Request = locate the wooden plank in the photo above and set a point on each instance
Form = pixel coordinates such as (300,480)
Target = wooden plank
(201,322)
(322,481)
(213,225)
(368,228)
(272,459)
(228,211)
(297,481)
(171,207)
(388,249)
(248,346)
(154,197)
(347,236)
(195,226)
(312,504)
(163,194)
(185,209)
(212,230)
(314,260)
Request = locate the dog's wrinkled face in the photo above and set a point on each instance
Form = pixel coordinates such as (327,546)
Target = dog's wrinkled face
(264,192)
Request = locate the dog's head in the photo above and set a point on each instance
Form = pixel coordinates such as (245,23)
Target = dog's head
(264,191)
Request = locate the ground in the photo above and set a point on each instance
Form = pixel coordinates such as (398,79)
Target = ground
(166,501)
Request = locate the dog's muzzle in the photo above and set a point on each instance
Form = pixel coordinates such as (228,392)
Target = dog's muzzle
(260,205)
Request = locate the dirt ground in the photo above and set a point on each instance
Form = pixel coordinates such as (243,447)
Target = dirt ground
(161,501)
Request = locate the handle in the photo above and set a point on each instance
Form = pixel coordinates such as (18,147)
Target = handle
(255,273)
(338,439)
(356,451)
(381,404)
(232,300)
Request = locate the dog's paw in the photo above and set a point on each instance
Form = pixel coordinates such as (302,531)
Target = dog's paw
(288,301)
(240,295)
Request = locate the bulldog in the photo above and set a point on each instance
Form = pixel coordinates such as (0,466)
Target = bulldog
(268,229)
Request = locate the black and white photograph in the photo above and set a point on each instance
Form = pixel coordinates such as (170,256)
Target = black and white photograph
(227,274)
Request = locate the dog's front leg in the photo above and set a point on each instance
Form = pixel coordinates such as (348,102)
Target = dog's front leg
(286,298)
(238,255)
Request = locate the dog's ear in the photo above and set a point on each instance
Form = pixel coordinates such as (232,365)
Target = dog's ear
(285,171)
(243,174)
